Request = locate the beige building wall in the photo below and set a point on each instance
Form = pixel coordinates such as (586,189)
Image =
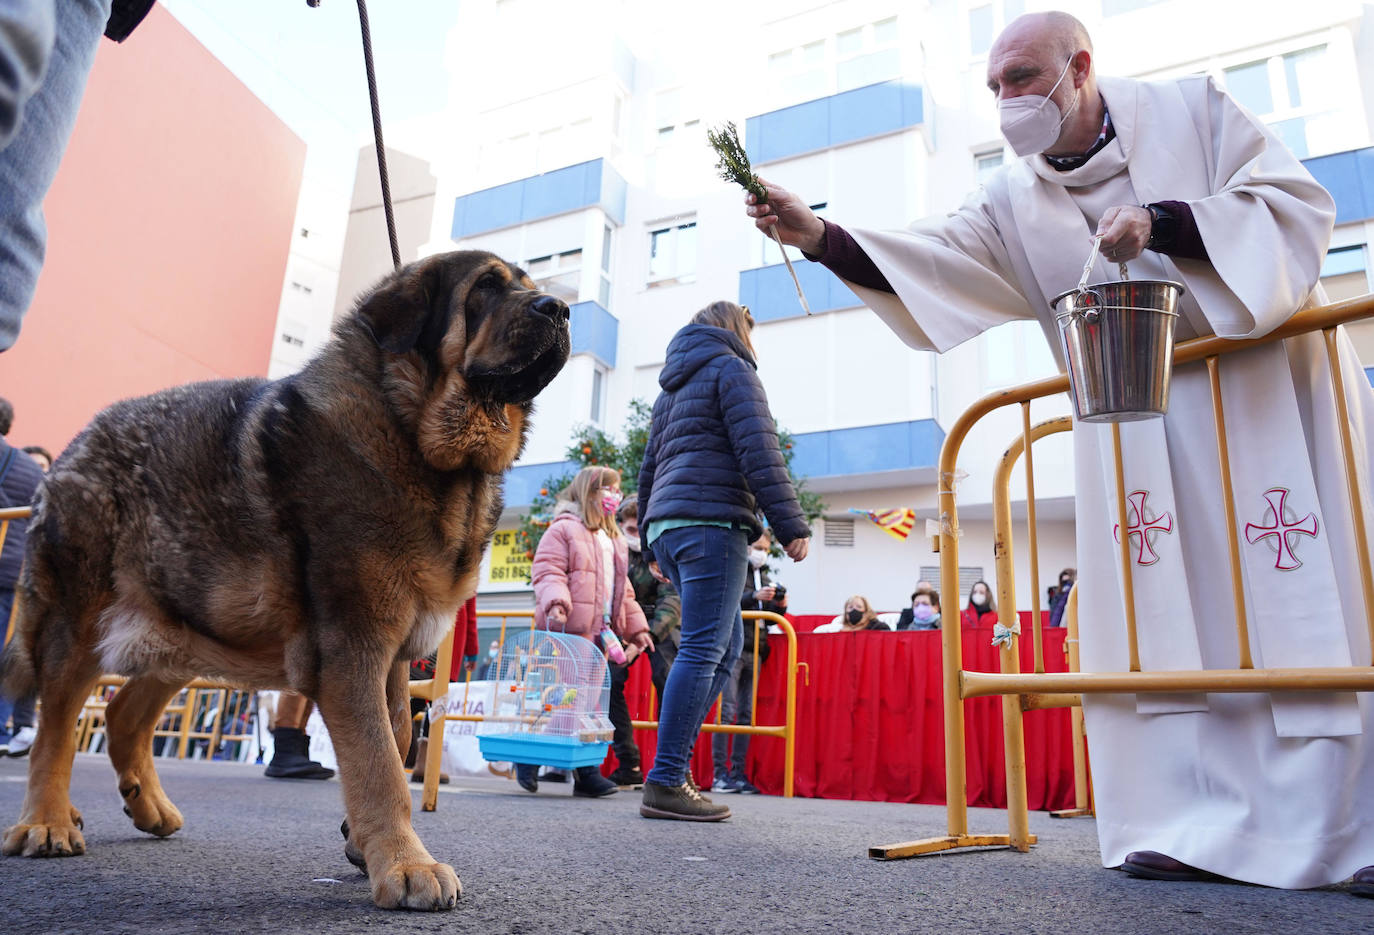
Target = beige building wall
(366,251)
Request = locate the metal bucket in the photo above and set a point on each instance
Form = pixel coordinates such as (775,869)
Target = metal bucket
(1119,345)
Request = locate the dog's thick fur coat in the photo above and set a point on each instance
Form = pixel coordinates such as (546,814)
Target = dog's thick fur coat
(312,533)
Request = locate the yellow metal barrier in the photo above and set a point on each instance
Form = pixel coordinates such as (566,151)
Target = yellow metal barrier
(6,515)
(960,684)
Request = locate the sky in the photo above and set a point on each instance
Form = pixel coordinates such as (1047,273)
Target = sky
(306,64)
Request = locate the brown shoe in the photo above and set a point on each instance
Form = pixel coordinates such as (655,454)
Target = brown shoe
(692,784)
(1363,884)
(681,803)
(1152,865)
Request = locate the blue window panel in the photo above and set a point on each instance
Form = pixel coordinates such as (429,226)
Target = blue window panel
(487,210)
(595,331)
(866,449)
(1369,372)
(832,121)
(523,481)
(585,185)
(770,295)
(1349,177)
(1343,260)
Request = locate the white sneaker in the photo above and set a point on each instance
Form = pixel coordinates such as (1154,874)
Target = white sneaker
(22,741)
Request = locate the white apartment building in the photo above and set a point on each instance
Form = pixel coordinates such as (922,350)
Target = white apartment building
(578,151)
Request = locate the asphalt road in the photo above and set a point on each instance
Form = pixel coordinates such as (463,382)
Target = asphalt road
(261,855)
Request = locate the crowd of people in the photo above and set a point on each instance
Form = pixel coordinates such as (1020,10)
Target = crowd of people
(980,609)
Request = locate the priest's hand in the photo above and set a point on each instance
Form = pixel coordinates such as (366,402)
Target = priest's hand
(797,224)
(1125,231)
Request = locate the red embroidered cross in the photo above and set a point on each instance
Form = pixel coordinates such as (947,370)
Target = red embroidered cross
(1281,529)
(1139,526)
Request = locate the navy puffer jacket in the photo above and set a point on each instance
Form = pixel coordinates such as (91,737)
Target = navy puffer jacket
(713,446)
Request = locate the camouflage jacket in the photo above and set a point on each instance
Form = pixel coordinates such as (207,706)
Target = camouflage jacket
(660,602)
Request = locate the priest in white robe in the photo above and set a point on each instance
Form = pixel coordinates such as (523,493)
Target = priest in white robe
(1186,186)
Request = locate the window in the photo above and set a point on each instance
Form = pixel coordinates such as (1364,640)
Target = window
(598,407)
(987,163)
(1344,273)
(673,254)
(968,577)
(852,58)
(1114,7)
(1290,93)
(839,533)
(980,30)
(558,274)
(604,291)
(986,20)
(672,128)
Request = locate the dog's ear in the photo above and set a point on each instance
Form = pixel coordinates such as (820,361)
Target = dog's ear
(400,310)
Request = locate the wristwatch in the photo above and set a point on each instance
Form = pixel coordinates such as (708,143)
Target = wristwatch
(1163,228)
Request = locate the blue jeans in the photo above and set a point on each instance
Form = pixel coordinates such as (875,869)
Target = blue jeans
(41,125)
(706,564)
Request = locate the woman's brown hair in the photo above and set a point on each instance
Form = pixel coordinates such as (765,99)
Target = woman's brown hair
(731,317)
(585,492)
(868,617)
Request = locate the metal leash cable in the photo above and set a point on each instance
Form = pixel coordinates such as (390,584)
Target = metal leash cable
(376,130)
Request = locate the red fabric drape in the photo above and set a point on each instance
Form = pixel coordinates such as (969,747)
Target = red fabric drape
(464,637)
(870,722)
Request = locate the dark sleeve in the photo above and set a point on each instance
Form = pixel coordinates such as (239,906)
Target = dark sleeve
(646,480)
(753,438)
(842,255)
(125,15)
(1187,242)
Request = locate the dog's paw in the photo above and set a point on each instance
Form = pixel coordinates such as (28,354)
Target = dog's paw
(154,814)
(426,887)
(44,840)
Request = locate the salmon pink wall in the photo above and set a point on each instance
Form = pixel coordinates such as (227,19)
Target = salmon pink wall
(169,225)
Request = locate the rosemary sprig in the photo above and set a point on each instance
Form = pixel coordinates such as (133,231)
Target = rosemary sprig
(733,161)
(733,164)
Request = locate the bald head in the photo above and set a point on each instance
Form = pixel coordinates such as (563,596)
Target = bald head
(1052,31)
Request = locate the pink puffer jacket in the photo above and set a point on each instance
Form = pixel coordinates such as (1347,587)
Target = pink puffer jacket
(567,573)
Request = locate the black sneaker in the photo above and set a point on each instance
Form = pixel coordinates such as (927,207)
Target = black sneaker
(745,787)
(527,776)
(554,775)
(725,784)
(589,783)
(631,778)
(679,803)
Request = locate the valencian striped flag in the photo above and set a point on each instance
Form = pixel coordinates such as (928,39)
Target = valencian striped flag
(896,523)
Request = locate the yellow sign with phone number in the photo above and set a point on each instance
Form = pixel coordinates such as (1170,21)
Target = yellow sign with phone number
(508,563)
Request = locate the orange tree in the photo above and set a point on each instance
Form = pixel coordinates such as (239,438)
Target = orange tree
(590,445)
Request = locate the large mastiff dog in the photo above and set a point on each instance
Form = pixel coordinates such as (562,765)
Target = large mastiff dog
(313,533)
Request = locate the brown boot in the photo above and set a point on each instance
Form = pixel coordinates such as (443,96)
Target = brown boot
(418,774)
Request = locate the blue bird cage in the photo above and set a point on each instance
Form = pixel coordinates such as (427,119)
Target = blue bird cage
(553,691)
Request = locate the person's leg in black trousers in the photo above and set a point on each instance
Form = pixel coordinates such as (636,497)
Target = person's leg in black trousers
(623,740)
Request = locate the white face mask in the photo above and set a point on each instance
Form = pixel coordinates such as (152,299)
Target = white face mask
(1031,123)
(757,557)
(979,599)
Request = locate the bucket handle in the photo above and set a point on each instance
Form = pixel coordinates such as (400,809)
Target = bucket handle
(1091,314)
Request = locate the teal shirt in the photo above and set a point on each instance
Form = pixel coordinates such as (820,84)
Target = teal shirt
(659,526)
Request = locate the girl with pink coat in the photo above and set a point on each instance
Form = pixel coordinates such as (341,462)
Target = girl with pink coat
(581,586)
